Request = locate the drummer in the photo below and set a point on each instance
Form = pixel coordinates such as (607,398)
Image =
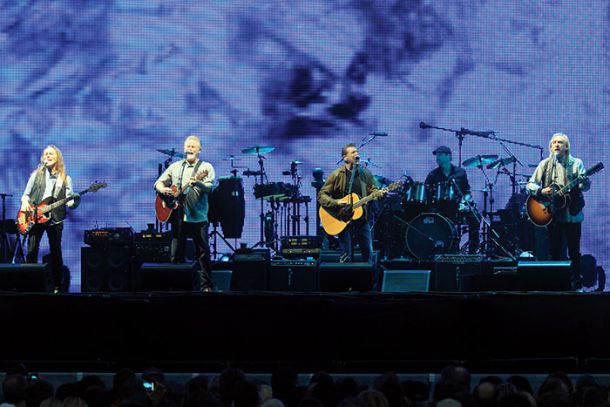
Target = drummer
(451,197)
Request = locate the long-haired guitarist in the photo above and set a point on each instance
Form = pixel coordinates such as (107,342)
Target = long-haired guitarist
(552,173)
(332,196)
(49,182)
(190,218)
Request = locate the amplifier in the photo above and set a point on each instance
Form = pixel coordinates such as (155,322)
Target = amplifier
(109,237)
(293,275)
(301,242)
(300,253)
(458,258)
(152,247)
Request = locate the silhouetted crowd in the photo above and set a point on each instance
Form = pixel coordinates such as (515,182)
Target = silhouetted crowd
(233,388)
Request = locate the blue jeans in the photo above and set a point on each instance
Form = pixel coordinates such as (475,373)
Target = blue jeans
(359,230)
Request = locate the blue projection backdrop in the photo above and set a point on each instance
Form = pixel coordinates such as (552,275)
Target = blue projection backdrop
(110,82)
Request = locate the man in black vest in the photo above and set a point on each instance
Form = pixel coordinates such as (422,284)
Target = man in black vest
(49,182)
(191,218)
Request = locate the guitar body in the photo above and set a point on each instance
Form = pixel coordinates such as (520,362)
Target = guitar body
(26,220)
(540,210)
(164,206)
(334,221)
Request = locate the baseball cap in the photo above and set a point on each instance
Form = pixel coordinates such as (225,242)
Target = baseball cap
(442,150)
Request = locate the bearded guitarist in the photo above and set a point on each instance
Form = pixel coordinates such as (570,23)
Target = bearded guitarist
(552,173)
(49,182)
(190,218)
(348,179)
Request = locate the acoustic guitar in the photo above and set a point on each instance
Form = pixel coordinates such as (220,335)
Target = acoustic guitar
(334,221)
(166,204)
(541,209)
(26,220)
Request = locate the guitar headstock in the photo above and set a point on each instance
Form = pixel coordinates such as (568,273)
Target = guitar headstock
(393,186)
(96,186)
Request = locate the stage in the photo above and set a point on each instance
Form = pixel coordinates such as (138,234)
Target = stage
(340,332)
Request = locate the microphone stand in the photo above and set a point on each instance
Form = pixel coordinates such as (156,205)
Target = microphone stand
(355,166)
(483,134)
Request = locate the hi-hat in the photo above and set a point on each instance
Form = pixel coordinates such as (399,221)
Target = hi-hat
(172,153)
(479,160)
(296,162)
(501,162)
(231,158)
(257,150)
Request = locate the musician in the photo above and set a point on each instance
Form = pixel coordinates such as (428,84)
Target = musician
(552,173)
(191,219)
(446,175)
(49,180)
(336,187)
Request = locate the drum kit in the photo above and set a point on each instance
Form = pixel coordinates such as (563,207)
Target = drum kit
(227,202)
(422,221)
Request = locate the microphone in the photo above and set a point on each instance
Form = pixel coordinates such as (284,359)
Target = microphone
(477,133)
(378,134)
(357,160)
(423,125)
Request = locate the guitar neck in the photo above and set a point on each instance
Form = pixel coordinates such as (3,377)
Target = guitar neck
(61,202)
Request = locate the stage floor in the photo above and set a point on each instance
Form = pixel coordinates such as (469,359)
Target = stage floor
(358,332)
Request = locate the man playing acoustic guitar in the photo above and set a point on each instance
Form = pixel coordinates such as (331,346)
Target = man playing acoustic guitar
(336,187)
(553,173)
(190,218)
(49,182)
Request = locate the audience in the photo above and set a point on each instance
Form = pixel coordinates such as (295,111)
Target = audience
(233,388)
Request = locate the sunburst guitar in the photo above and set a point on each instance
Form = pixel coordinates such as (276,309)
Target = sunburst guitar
(541,210)
(41,213)
(334,221)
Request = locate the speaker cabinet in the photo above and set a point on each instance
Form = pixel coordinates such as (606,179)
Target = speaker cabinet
(32,278)
(527,276)
(165,277)
(343,277)
(293,275)
(106,269)
(404,281)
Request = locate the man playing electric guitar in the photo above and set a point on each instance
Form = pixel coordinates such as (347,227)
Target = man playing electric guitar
(191,216)
(337,186)
(49,182)
(552,173)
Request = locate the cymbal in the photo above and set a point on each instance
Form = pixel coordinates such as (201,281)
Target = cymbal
(172,153)
(479,160)
(231,158)
(256,150)
(501,162)
(296,162)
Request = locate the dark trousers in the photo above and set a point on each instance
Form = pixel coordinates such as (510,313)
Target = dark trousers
(359,230)
(198,231)
(572,233)
(54,233)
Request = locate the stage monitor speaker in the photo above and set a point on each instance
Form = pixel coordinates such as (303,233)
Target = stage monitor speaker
(527,276)
(344,277)
(250,271)
(404,281)
(165,277)
(32,278)
(333,256)
(293,275)
(106,269)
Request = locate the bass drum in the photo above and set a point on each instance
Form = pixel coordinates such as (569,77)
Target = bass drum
(429,234)
(227,206)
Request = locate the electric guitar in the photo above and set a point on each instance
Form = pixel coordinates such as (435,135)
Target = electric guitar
(541,209)
(335,220)
(166,204)
(26,219)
